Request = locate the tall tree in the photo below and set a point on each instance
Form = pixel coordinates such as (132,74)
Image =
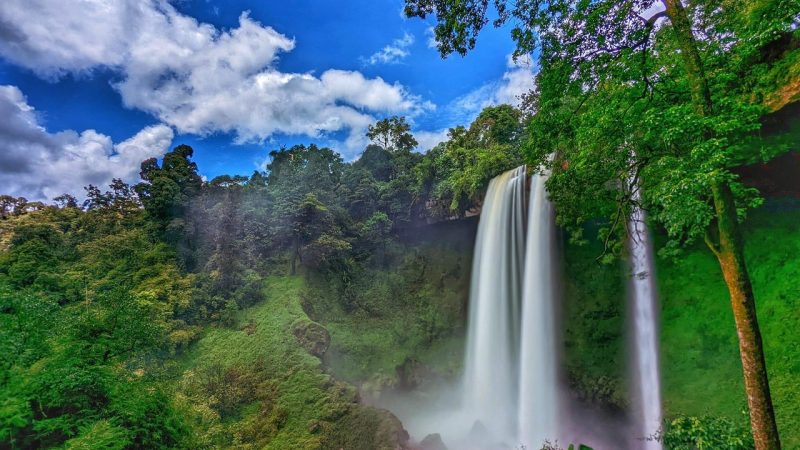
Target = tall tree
(166,193)
(166,189)
(611,62)
(392,134)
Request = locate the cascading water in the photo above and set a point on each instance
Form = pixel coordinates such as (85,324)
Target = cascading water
(510,384)
(538,401)
(643,297)
(510,394)
(490,377)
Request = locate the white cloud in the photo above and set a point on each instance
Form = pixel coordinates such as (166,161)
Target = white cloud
(517,80)
(195,77)
(431,38)
(40,165)
(428,139)
(53,38)
(394,52)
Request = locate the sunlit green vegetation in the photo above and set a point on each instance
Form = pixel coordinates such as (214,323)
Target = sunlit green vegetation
(258,311)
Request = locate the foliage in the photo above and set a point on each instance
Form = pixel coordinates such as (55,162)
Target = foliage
(647,114)
(705,433)
(262,377)
(457,172)
(392,134)
(701,373)
(160,314)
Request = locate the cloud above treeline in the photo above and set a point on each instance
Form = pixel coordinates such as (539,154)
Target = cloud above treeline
(517,80)
(193,76)
(40,165)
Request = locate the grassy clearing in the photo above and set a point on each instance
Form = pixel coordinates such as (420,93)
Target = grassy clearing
(263,333)
(270,392)
(700,357)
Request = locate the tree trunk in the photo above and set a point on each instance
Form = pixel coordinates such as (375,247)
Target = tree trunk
(295,253)
(729,250)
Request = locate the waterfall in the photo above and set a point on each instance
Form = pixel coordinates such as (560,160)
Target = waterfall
(510,385)
(510,390)
(491,363)
(645,330)
(538,401)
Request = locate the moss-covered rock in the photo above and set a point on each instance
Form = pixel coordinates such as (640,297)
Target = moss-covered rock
(366,428)
(312,336)
(412,373)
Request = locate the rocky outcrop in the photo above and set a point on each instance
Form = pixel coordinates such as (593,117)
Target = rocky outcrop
(412,373)
(312,336)
(366,428)
(432,442)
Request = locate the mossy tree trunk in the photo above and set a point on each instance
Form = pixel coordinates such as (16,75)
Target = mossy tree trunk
(728,247)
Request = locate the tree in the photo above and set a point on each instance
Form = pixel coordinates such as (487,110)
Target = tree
(66,201)
(605,61)
(461,168)
(392,134)
(166,189)
(313,228)
(377,161)
(16,206)
(121,199)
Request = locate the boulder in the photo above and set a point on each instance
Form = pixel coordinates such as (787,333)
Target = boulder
(412,373)
(312,336)
(432,442)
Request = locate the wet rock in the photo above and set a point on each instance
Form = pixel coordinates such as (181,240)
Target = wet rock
(312,336)
(390,432)
(479,434)
(432,442)
(412,373)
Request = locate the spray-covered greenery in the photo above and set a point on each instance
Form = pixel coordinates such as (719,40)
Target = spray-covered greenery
(703,393)
(175,312)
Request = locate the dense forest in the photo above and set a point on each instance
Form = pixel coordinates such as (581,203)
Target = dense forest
(281,309)
(112,309)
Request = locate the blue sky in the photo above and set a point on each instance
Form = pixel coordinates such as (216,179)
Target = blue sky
(93,86)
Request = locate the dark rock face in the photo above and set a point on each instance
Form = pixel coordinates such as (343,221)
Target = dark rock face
(365,428)
(391,432)
(432,442)
(412,373)
(312,337)
(776,178)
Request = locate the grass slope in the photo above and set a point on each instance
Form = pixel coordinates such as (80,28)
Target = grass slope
(701,369)
(700,358)
(291,404)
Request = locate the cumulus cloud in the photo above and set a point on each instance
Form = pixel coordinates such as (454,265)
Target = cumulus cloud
(40,165)
(429,139)
(195,77)
(53,38)
(394,52)
(516,80)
